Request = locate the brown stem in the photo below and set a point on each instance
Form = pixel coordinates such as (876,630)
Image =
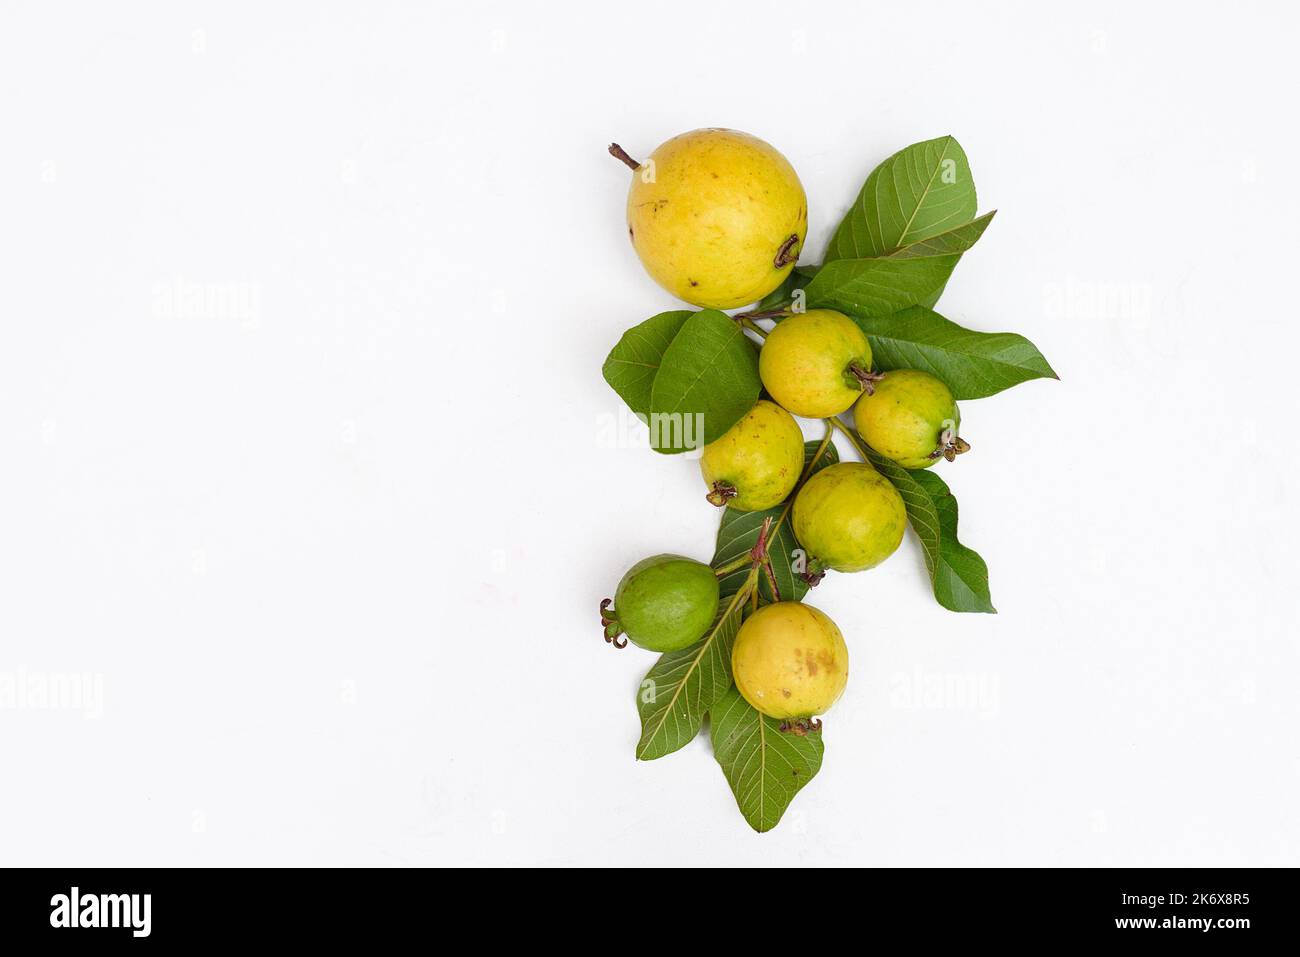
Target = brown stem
(619,153)
(765,314)
(763,558)
(783,257)
(759,552)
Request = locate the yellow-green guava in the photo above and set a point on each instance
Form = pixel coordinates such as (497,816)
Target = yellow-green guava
(663,603)
(790,661)
(718,217)
(911,418)
(756,463)
(848,517)
(816,363)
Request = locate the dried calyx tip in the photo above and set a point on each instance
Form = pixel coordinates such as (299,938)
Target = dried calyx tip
(721,493)
(787,254)
(801,726)
(609,622)
(862,376)
(951,445)
(814,571)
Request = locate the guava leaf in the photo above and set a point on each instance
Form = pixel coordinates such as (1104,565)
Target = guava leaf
(683,685)
(932,300)
(738,533)
(955,240)
(972,364)
(632,363)
(782,294)
(958,574)
(765,766)
(920,192)
(707,380)
(879,287)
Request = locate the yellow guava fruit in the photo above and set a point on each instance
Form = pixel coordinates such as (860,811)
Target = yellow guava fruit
(911,418)
(816,363)
(848,517)
(717,216)
(756,463)
(790,661)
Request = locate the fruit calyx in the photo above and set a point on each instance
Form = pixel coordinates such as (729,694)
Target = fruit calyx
(609,621)
(814,571)
(620,154)
(787,254)
(951,444)
(721,493)
(861,377)
(801,726)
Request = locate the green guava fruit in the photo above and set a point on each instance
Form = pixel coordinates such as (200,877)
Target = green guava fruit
(716,216)
(756,463)
(816,363)
(848,517)
(911,418)
(790,661)
(663,603)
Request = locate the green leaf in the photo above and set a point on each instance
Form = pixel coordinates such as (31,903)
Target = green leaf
(765,766)
(953,241)
(632,363)
(738,534)
(879,287)
(958,574)
(919,192)
(932,300)
(782,295)
(972,364)
(683,685)
(707,380)
(956,240)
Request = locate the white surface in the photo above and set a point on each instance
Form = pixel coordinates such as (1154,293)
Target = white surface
(332,538)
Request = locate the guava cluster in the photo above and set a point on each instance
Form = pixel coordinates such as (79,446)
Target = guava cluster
(719,224)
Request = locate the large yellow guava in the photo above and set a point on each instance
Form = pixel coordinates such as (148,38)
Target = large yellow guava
(790,661)
(756,463)
(848,517)
(718,217)
(816,363)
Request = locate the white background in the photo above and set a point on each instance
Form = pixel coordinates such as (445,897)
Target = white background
(330,534)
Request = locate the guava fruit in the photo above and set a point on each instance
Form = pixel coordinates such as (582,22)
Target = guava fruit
(911,418)
(717,217)
(789,661)
(816,363)
(663,603)
(756,463)
(848,517)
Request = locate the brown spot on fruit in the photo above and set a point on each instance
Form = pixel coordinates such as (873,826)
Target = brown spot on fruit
(692,282)
(810,662)
(785,692)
